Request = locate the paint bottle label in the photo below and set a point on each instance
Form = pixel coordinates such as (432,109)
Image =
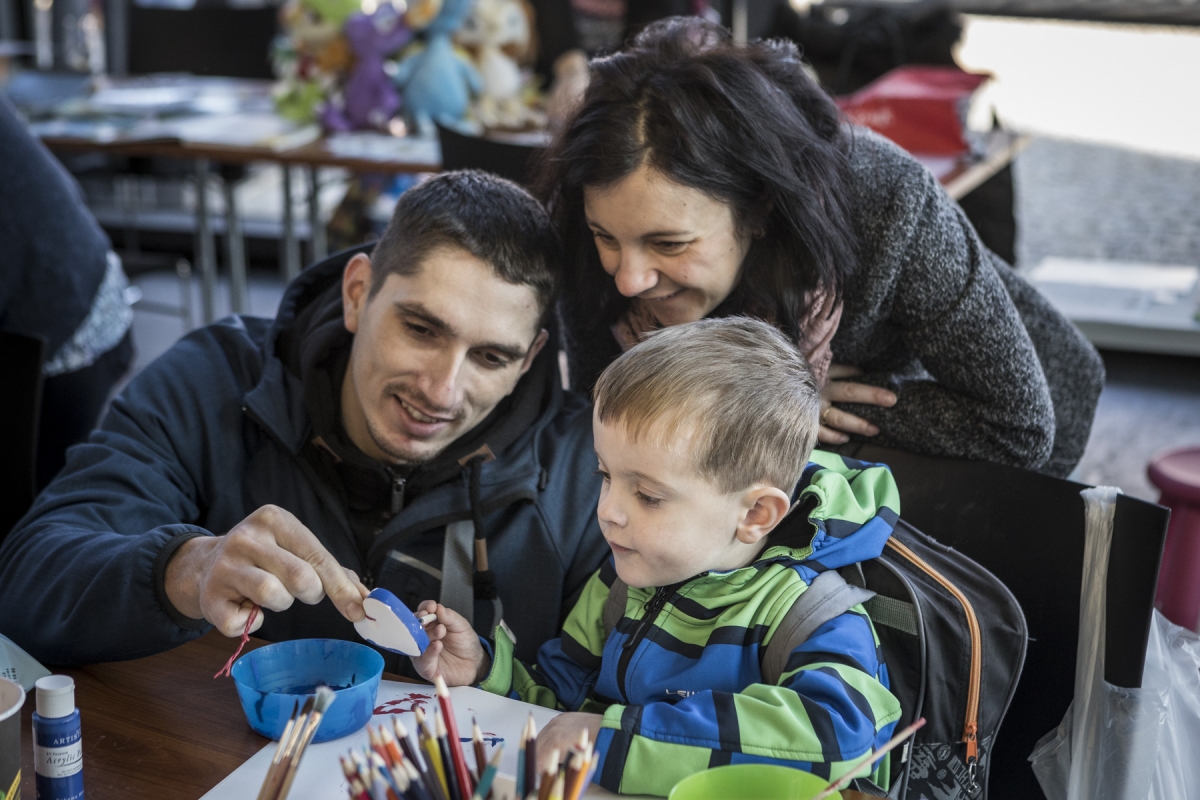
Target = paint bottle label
(58,758)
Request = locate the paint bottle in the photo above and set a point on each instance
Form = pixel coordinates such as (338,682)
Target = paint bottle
(57,745)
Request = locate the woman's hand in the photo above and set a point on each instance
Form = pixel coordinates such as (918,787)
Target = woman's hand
(561,733)
(454,651)
(835,423)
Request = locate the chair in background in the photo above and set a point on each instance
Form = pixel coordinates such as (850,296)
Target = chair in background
(1177,475)
(506,159)
(20,406)
(1028,530)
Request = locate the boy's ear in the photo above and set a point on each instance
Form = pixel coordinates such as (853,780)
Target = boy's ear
(766,506)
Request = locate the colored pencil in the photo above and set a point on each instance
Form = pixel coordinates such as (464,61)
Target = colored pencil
(428,781)
(430,748)
(480,753)
(418,788)
(556,790)
(868,759)
(531,770)
(548,776)
(457,756)
(394,755)
(520,776)
(357,791)
(488,776)
(443,741)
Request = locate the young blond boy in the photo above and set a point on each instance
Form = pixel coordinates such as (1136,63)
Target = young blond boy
(703,434)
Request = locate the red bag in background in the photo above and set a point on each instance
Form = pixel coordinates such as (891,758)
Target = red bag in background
(922,109)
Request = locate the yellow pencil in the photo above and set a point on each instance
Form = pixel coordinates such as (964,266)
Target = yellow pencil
(432,754)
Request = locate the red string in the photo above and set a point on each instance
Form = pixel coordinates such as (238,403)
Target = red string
(225,670)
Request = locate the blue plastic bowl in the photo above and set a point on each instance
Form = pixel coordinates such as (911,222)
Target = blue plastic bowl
(273,681)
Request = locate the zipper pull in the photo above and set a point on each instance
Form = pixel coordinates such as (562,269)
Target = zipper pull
(397,493)
(972,744)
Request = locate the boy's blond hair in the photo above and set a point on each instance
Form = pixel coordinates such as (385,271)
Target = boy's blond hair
(734,390)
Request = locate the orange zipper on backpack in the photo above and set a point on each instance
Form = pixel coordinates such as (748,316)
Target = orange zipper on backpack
(971,727)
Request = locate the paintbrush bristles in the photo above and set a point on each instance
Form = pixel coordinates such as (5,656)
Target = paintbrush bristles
(324,697)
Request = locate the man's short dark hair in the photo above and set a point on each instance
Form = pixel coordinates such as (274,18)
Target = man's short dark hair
(492,219)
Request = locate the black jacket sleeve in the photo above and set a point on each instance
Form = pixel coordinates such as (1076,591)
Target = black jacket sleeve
(81,574)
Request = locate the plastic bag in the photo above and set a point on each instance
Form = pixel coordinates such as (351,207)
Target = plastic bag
(1115,743)
(19,666)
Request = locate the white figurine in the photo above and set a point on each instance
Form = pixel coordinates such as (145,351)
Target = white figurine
(500,32)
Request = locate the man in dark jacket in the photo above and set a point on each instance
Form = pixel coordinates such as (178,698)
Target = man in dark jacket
(400,422)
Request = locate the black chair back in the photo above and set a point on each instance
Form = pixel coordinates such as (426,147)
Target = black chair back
(1028,530)
(508,160)
(20,407)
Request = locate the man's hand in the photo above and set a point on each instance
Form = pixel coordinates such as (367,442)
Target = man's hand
(454,650)
(562,732)
(835,423)
(268,559)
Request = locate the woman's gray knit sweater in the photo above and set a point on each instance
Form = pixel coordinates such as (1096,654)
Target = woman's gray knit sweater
(983,366)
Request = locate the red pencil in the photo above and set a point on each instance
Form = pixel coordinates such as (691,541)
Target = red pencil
(456,751)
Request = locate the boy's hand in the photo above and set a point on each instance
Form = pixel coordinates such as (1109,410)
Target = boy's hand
(562,732)
(454,650)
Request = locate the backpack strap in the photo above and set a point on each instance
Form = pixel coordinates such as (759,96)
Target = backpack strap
(827,597)
(614,606)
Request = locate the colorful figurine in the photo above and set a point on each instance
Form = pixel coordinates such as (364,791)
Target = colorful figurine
(368,99)
(437,83)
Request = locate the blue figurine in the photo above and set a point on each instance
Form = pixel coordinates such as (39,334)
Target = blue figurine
(438,83)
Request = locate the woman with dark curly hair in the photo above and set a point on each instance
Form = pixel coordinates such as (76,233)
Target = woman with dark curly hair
(703,178)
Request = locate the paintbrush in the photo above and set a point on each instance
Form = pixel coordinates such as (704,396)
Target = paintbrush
(443,740)
(488,776)
(429,781)
(430,748)
(480,753)
(275,772)
(868,759)
(321,702)
(457,757)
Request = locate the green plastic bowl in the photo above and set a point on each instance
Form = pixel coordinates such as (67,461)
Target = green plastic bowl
(749,782)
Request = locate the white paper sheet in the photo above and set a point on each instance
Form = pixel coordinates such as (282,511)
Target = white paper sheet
(320,774)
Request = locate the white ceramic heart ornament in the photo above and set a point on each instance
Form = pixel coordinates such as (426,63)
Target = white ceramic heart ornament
(391,625)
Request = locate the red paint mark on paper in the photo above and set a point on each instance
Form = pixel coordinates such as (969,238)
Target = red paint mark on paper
(404,705)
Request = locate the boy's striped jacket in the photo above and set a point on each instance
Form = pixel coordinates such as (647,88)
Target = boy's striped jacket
(679,679)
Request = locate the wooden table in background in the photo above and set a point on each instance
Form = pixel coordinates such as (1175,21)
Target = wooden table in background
(161,727)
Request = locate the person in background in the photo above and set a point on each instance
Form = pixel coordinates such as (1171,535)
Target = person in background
(572,31)
(704,178)
(60,282)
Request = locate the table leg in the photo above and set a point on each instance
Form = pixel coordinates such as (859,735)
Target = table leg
(740,24)
(205,247)
(238,292)
(319,248)
(291,246)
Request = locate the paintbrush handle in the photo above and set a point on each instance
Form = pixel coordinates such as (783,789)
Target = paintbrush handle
(868,759)
(310,730)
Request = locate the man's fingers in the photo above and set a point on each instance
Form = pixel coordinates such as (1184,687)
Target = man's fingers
(299,540)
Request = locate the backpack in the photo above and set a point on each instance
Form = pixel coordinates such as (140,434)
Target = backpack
(953,639)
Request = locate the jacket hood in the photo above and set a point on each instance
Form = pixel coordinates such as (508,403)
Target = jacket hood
(843,512)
